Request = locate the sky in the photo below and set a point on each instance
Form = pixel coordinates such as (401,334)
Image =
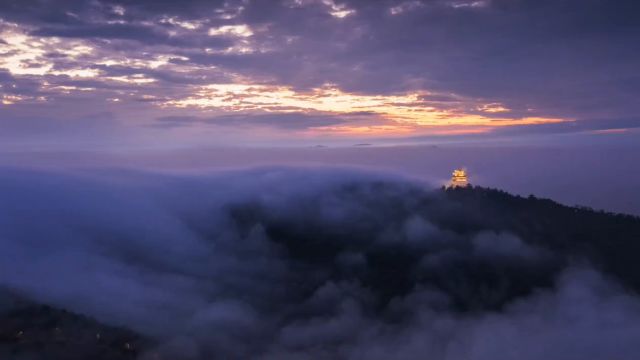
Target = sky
(118,73)
(532,96)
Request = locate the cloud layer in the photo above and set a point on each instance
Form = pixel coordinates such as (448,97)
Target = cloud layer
(285,263)
(422,66)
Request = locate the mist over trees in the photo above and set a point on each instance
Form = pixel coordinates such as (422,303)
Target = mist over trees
(298,263)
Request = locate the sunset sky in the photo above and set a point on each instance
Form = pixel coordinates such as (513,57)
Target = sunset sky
(160,73)
(282,179)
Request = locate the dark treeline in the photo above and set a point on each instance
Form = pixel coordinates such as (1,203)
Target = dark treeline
(609,241)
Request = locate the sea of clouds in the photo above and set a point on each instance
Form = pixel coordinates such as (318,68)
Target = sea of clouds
(300,263)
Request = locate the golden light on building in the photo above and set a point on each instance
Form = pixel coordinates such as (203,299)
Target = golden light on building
(459,178)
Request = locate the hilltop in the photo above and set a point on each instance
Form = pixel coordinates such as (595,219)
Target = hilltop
(366,254)
(608,240)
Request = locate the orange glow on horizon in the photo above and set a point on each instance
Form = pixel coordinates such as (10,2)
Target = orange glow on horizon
(389,114)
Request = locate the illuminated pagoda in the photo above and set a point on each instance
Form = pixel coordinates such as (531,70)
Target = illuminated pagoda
(459,178)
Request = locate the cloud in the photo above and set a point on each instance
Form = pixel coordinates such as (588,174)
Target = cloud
(550,59)
(582,126)
(292,263)
(286,121)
